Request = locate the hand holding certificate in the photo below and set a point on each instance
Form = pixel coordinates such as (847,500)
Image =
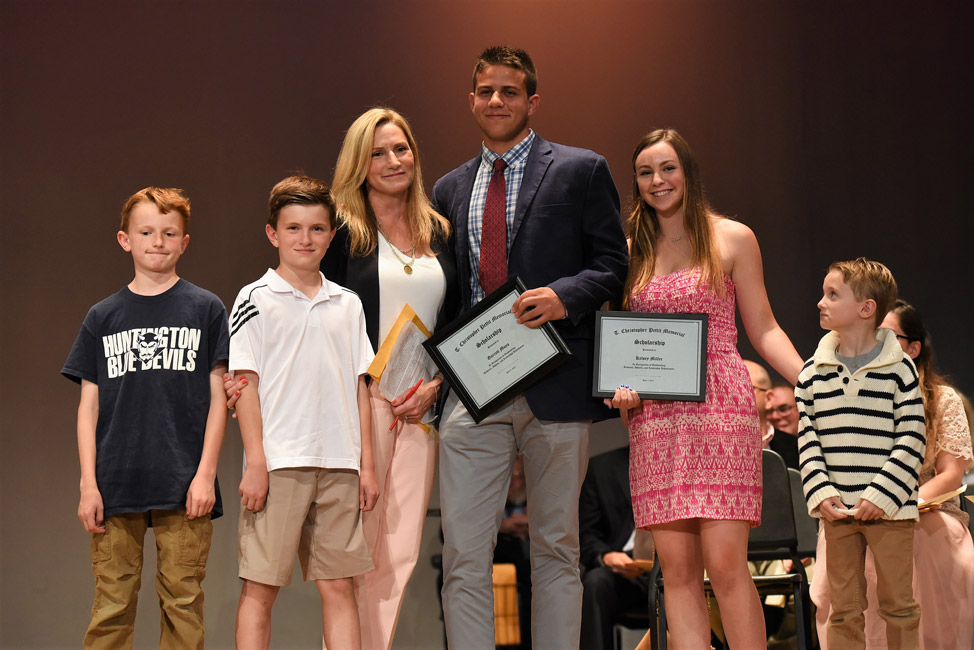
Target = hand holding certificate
(935,502)
(402,364)
(489,357)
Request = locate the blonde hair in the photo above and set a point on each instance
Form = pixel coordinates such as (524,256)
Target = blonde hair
(351,193)
(643,223)
(167,199)
(869,280)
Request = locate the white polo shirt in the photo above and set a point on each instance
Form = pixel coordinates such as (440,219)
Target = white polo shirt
(308,354)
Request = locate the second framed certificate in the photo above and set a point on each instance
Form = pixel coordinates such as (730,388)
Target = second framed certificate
(488,356)
(660,356)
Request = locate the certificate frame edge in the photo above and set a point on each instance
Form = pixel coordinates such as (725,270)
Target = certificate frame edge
(699,396)
(562,354)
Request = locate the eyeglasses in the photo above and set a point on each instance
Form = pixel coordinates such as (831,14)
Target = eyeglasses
(781,410)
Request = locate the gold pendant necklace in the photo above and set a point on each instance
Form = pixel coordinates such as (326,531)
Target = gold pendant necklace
(407,267)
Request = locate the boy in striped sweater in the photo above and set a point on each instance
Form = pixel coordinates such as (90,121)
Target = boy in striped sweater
(861,444)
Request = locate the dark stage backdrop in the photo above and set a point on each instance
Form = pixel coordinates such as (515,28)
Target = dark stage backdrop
(833,129)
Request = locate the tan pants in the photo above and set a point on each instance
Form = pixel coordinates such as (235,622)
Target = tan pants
(892,545)
(116,560)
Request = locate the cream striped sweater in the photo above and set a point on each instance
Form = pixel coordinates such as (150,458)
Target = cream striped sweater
(861,435)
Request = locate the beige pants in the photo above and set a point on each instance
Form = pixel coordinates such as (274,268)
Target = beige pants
(892,545)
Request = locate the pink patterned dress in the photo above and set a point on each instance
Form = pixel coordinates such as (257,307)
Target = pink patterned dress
(698,459)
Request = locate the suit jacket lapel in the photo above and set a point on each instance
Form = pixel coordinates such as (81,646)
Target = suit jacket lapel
(465,178)
(534,170)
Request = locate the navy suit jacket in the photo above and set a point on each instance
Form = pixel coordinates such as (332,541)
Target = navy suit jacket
(567,235)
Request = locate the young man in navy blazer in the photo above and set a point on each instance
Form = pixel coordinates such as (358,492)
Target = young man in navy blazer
(559,219)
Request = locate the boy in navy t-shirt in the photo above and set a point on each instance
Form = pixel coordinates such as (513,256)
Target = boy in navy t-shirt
(150,361)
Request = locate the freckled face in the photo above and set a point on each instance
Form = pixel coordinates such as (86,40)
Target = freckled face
(660,179)
(155,239)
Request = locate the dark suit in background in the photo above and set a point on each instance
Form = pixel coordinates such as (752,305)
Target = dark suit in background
(606,525)
(786,446)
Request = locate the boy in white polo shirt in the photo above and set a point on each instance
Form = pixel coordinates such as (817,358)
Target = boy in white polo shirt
(300,340)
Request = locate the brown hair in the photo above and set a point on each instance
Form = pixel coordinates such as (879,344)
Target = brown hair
(300,190)
(167,199)
(869,280)
(512,57)
(643,223)
(351,192)
(931,381)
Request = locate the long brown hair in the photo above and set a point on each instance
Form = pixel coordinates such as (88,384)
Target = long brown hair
(643,223)
(351,193)
(931,381)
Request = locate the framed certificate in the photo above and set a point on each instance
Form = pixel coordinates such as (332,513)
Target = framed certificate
(660,356)
(488,357)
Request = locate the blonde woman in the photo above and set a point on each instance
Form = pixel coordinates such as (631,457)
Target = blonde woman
(392,248)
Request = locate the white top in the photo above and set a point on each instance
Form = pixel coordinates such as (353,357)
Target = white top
(424,289)
(308,354)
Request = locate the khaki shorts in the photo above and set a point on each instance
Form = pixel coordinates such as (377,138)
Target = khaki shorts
(312,513)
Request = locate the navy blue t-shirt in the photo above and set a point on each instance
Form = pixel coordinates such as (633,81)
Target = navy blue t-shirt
(151,357)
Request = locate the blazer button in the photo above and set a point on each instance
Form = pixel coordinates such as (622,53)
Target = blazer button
(845,380)
(840,368)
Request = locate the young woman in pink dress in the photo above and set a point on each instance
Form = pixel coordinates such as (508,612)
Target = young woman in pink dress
(695,467)
(943,553)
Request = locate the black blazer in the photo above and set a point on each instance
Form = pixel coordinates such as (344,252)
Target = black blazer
(567,235)
(605,519)
(361,275)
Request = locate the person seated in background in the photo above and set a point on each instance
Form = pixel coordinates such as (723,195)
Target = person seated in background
(513,547)
(779,617)
(611,585)
(782,410)
(782,414)
(761,383)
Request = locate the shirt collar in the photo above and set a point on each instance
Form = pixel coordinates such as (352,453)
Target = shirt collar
(280,285)
(825,355)
(514,156)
